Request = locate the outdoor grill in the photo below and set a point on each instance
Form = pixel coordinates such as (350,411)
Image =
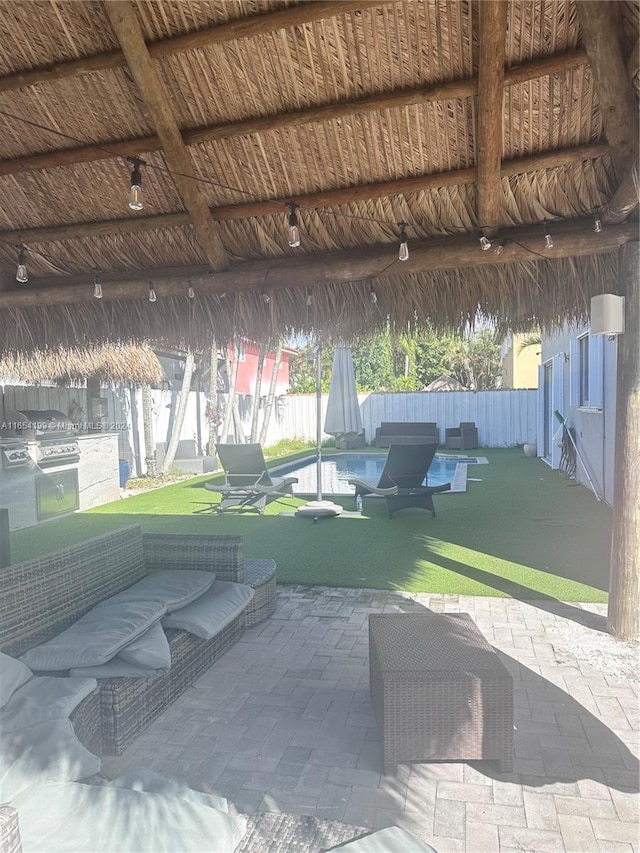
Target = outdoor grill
(48,435)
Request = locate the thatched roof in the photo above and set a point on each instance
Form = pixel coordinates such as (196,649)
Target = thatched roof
(445,383)
(449,116)
(112,363)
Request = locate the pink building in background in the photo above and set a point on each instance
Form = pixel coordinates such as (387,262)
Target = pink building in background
(248,370)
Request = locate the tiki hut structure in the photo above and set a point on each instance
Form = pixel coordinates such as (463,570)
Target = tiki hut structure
(109,363)
(289,152)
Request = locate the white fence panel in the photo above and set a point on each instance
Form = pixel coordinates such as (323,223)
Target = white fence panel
(504,418)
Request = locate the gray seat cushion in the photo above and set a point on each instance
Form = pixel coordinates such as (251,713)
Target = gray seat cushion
(172,587)
(44,698)
(150,649)
(213,611)
(142,779)
(13,674)
(96,637)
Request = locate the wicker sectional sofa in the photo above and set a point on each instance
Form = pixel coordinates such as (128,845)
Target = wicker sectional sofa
(41,597)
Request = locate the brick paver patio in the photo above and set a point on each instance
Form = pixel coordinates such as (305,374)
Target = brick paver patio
(284,722)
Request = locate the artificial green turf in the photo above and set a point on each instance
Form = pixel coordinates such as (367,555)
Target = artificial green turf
(524,531)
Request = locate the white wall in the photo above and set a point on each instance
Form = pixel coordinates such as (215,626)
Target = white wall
(594,430)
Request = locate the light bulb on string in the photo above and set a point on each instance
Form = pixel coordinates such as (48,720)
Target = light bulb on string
(21,272)
(191,294)
(403,251)
(135,190)
(153,296)
(265,297)
(294,229)
(597,222)
(485,243)
(373,296)
(548,239)
(309,296)
(499,249)
(97,285)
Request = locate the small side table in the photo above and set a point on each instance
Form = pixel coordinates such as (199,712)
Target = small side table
(439,690)
(261,575)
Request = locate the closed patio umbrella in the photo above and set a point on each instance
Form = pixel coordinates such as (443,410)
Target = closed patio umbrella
(319,508)
(343,419)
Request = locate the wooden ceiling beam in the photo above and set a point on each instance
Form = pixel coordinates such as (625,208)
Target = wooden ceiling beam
(459,89)
(328,198)
(600,24)
(492,52)
(256,25)
(143,68)
(570,239)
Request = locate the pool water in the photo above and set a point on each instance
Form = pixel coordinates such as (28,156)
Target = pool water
(338,469)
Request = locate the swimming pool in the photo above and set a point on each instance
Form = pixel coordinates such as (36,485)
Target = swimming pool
(340,467)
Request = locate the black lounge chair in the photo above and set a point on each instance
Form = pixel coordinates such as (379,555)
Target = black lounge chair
(400,483)
(248,484)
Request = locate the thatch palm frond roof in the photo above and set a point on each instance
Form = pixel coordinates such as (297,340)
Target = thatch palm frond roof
(111,363)
(363,114)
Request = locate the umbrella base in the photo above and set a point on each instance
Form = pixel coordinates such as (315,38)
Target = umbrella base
(319,509)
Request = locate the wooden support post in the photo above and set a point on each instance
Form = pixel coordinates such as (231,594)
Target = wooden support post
(493,31)
(5,540)
(624,585)
(125,25)
(151,468)
(600,24)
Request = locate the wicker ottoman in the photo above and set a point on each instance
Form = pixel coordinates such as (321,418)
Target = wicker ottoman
(261,575)
(439,690)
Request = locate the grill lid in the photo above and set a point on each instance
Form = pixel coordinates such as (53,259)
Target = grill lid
(36,424)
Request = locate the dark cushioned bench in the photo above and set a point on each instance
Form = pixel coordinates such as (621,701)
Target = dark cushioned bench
(390,432)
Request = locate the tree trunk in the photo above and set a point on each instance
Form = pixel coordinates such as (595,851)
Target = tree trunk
(624,584)
(147,423)
(256,395)
(212,401)
(180,412)
(272,395)
(238,429)
(93,394)
(232,376)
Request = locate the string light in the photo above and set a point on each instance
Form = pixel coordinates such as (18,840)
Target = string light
(21,272)
(191,294)
(548,239)
(309,296)
(135,191)
(294,230)
(499,249)
(597,222)
(373,295)
(153,297)
(403,251)
(265,297)
(97,286)
(485,243)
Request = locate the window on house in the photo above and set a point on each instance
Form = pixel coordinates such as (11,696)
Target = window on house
(587,372)
(583,358)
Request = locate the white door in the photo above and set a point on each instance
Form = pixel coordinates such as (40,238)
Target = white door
(557,405)
(550,400)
